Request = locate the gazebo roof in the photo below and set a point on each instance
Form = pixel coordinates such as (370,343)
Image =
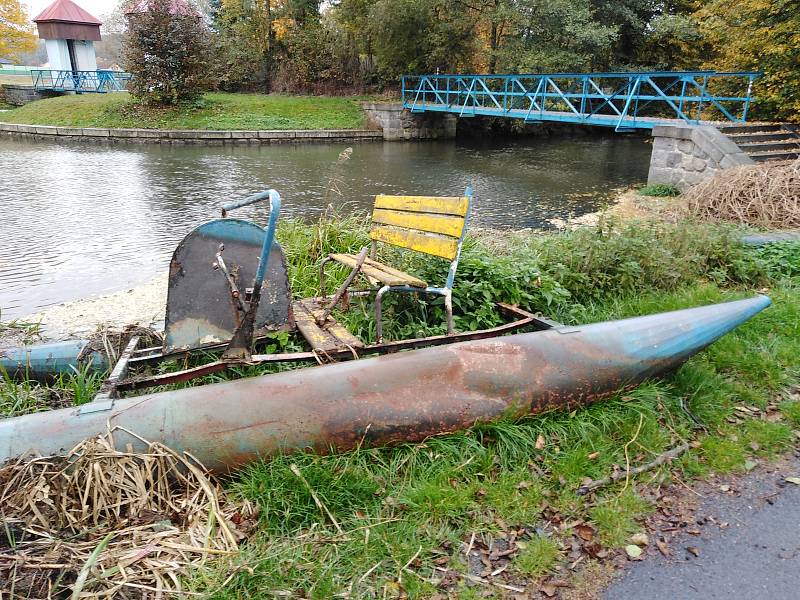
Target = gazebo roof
(66,11)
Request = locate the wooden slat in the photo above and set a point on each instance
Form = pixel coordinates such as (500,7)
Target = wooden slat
(436,245)
(376,271)
(442,205)
(333,337)
(444,224)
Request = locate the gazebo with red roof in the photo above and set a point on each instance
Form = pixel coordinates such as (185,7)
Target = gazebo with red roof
(69,33)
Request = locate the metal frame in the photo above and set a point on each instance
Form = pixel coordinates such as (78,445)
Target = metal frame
(516,317)
(446,291)
(100,81)
(624,101)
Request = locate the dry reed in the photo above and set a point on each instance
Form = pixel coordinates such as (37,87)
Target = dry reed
(154,515)
(765,196)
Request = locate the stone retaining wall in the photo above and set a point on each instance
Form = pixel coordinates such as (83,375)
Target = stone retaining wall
(17,95)
(398,123)
(186,136)
(684,155)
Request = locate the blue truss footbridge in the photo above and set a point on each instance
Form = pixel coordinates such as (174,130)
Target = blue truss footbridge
(625,101)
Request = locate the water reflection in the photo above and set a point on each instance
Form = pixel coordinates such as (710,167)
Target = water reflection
(83,219)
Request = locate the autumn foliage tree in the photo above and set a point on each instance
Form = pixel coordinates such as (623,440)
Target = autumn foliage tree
(16,31)
(167,50)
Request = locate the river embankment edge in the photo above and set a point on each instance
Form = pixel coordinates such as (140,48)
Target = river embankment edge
(186,136)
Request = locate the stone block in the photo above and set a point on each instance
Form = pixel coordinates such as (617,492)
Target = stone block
(96,132)
(276,134)
(699,152)
(673,131)
(698,164)
(686,146)
(69,131)
(9,127)
(735,160)
(46,130)
(674,159)
(243,135)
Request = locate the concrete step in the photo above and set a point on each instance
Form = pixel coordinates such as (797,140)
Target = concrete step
(779,155)
(770,146)
(747,138)
(749,128)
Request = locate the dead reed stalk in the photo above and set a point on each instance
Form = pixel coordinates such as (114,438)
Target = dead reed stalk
(765,196)
(154,516)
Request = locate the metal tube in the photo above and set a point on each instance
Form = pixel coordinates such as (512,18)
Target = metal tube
(400,397)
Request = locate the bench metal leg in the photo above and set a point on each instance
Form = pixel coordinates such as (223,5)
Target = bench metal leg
(378,322)
(448,308)
(325,261)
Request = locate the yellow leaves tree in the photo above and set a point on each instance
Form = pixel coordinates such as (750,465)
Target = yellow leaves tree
(16,30)
(761,35)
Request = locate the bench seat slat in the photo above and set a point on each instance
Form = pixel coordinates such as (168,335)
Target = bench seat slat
(330,338)
(436,245)
(376,271)
(432,223)
(441,205)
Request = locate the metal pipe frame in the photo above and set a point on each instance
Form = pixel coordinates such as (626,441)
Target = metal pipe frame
(624,101)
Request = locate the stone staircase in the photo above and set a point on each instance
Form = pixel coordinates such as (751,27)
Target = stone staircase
(763,142)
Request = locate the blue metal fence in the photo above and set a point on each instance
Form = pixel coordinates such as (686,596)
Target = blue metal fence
(99,81)
(625,101)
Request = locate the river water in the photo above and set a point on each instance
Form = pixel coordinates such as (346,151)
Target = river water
(81,219)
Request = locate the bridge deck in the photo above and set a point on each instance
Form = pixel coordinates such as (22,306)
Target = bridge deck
(624,101)
(554,115)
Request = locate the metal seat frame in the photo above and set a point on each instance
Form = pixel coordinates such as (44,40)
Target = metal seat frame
(446,290)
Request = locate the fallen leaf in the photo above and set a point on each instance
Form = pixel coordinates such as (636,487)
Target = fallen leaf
(794,480)
(640,539)
(585,532)
(548,589)
(633,551)
(725,488)
(693,550)
(593,455)
(663,548)
(749,465)
(540,443)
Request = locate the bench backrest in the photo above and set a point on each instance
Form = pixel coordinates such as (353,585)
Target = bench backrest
(431,224)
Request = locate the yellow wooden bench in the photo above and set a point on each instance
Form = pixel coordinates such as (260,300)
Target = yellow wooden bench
(429,224)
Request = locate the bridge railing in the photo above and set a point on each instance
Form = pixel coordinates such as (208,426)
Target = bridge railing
(99,81)
(621,100)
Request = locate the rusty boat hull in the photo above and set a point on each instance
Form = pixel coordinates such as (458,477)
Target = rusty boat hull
(400,397)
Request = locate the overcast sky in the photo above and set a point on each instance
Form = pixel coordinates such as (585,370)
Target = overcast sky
(96,8)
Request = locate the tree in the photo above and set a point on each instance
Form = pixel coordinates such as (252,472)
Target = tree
(167,49)
(760,35)
(16,32)
(548,36)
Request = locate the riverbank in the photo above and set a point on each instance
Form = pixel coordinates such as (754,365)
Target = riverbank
(215,111)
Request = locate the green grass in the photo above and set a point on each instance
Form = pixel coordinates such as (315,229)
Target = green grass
(214,111)
(660,190)
(402,514)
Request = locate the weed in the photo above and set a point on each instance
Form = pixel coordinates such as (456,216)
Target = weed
(537,557)
(616,518)
(660,190)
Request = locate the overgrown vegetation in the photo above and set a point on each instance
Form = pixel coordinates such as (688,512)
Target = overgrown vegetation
(214,111)
(390,521)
